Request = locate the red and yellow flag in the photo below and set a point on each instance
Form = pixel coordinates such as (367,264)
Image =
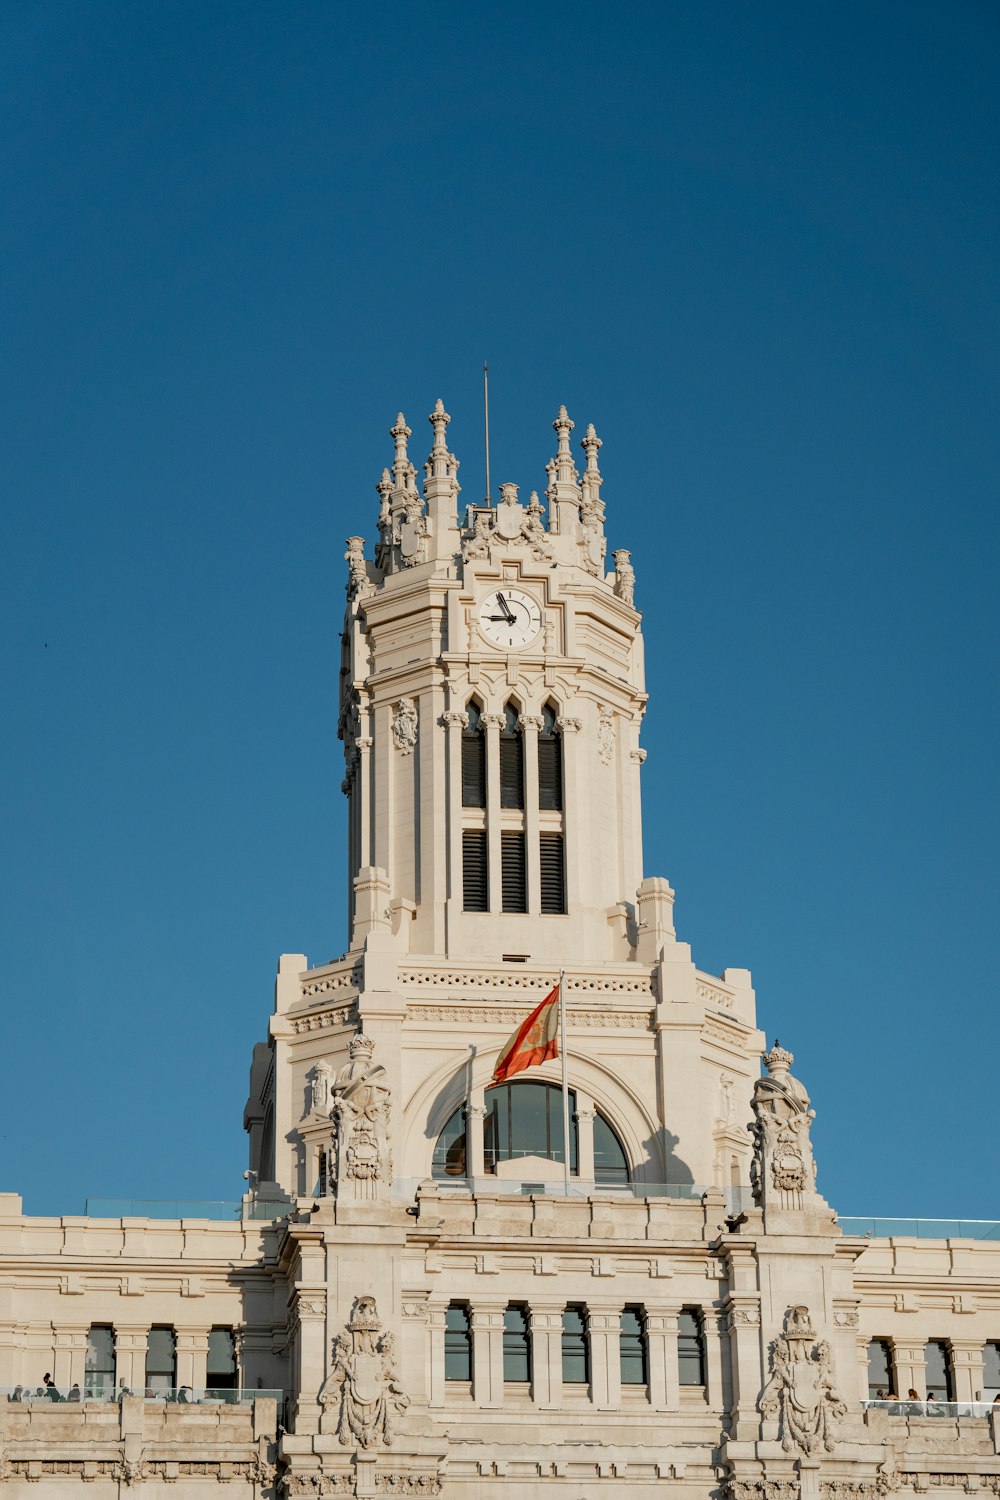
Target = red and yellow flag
(534,1041)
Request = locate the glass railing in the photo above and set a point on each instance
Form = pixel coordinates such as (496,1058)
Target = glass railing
(922,1229)
(932,1408)
(184,1208)
(107,1395)
(737,1198)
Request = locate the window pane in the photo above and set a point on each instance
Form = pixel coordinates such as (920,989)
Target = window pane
(991,1371)
(457,1343)
(633,1347)
(449,1153)
(610,1163)
(99,1366)
(938,1372)
(160,1359)
(529,1120)
(575,1347)
(516,1344)
(880,1376)
(690,1351)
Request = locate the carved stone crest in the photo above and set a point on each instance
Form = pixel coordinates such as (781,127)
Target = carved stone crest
(404,726)
(782,1170)
(478,544)
(800,1392)
(364,1388)
(361,1101)
(606,735)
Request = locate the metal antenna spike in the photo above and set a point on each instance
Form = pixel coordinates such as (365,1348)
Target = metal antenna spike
(486,421)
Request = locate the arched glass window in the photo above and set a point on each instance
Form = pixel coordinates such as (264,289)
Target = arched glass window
(610,1161)
(473,759)
(938,1371)
(516,1344)
(690,1347)
(449,1158)
(525,1119)
(633,1347)
(99,1365)
(457,1342)
(161,1360)
(575,1346)
(550,775)
(881,1375)
(511,760)
(221,1360)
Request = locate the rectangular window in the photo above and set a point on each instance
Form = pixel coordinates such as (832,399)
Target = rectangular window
(473,769)
(221,1360)
(161,1360)
(516,1345)
(99,1365)
(881,1378)
(575,1347)
(475,870)
(553,874)
(690,1347)
(457,1342)
(511,770)
(632,1347)
(550,773)
(514,879)
(938,1371)
(991,1371)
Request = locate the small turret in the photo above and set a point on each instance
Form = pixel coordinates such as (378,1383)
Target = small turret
(441,488)
(563,491)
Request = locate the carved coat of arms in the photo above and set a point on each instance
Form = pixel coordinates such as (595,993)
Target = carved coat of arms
(800,1392)
(364,1388)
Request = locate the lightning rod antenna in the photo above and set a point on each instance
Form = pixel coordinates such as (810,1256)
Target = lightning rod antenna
(486,419)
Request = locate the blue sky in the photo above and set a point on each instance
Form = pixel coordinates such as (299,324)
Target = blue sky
(757,247)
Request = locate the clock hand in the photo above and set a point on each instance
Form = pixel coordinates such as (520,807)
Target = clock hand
(506,608)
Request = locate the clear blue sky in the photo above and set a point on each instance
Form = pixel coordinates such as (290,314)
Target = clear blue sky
(756,245)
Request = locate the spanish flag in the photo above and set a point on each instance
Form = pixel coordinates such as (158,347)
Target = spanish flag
(534,1041)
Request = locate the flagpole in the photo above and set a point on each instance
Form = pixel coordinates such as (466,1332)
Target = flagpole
(565,1076)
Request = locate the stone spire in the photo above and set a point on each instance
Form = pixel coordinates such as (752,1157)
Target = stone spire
(441,488)
(563,491)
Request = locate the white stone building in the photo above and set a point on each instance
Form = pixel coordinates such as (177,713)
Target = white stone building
(420,1295)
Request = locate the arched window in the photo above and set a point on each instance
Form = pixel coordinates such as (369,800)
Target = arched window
(449,1158)
(690,1346)
(511,760)
(610,1161)
(457,1342)
(881,1375)
(516,1344)
(221,1366)
(99,1365)
(633,1347)
(938,1371)
(161,1360)
(575,1346)
(525,1119)
(473,759)
(550,774)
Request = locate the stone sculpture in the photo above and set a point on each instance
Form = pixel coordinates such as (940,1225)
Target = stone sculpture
(361,1112)
(320,1087)
(404,726)
(364,1385)
(624,576)
(357,575)
(800,1392)
(606,735)
(783,1169)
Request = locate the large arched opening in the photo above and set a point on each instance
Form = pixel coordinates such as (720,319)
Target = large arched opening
(525,1119)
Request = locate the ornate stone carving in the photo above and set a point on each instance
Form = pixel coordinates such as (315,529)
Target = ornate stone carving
(404,726)
(361,1114)
(727,1098)
(846,1317)
(407,1484)
(357,576)
(478,544)
(624,577)
(567,724)
(129,1471)
(548,635)
(637,756)
(319,1086)
(800,1392)
(606,735)
(782,1170)
(492,721)
(529,721)
(363,1385)
(760,1489)
(745,1317)
(453,719)
(311,1306)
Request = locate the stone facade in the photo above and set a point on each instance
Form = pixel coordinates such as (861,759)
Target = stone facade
(434,1312)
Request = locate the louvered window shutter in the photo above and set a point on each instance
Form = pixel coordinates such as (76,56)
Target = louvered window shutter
(515,893)
(511,763)
(473,768)
(550,797)
(553,874)
(475,870)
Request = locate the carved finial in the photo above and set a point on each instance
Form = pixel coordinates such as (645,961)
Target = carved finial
(384,490)
(565,467)
(439,419)
(360,1045)
(778,1061)
(534,504)
(590,444)
(399,433)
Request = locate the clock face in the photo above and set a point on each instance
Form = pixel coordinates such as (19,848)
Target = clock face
(510,618)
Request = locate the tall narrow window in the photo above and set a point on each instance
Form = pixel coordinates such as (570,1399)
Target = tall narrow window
(511,761)
(473,760)
(690,1347)
(161,1360)
(475,870)
(457,1342)
(991,1371)
(938,1371)
(610,1161)
(513,875)
(221,1360)
(575,1347)
(881,1375)
(99,1364)
(632,1347)
(550,775)
(553,873)
(516,1344)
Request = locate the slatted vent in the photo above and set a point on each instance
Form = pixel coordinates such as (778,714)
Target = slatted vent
(553,874)
(550,796)
(511,762)
(475,870)
(473,762)
(515,893)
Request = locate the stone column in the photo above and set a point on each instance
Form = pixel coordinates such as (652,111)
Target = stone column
(573,811)
(70,1356)
(967,1369)
(712,1333)
(435,1353)
(661,1347)
(454,723)
(487,1353)
(605,1356)
(309,1357)
(529,725)
(746,1367)
(546,1354)
(363,792)
(475,1114)
(192,1357)
(863,1342)
(130,1355)
(492,724)
(585,1116)
(908,1359)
